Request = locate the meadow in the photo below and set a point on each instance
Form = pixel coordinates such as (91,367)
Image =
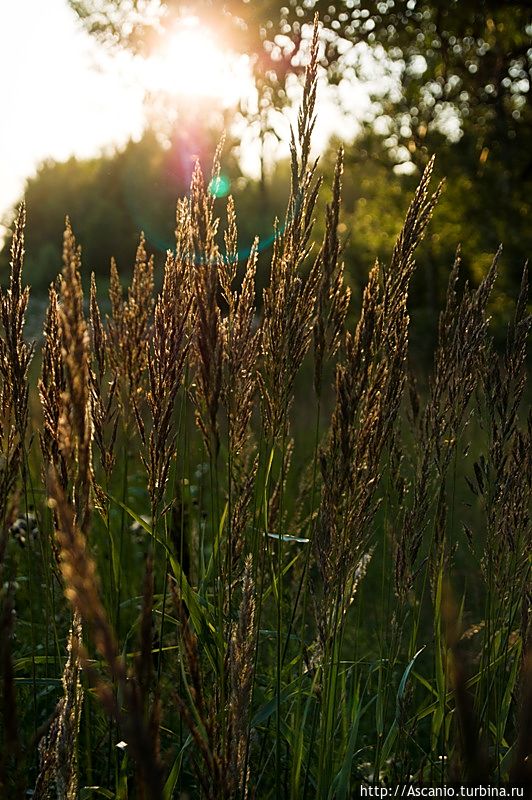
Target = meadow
(242,554)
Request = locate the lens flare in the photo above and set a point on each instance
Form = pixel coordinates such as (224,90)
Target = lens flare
(220,186)
(194,64)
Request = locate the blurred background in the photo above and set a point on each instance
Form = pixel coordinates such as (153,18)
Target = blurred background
(107,104)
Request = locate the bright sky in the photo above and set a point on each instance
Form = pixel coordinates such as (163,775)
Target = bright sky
(55,101)
(60,98)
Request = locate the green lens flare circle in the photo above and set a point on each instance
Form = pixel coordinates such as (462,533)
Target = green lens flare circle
(219,186)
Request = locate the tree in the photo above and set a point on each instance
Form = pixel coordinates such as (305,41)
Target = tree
(471,59)
(459,80)
(112,198)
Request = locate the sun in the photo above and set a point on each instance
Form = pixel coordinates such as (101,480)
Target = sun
(193,64)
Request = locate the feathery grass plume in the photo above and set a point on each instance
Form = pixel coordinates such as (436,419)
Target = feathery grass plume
(350,471)
(79,574)
(82,591)
(462,331)
(166,361)
(15,353)
(241,664)
(504,477)
(209,339)
(241,342)
(128,329)
(503,485)
(333,296)
(58,750)
(290,298)
(507,503)
(239,381)
(166,357)
(369,386)
(98,333)
(15,358)
(243,477)
(104,408)
(75,423)
(52,387)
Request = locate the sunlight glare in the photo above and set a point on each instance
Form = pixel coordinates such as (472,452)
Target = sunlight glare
(193,64)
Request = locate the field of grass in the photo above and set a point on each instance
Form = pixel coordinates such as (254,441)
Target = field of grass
(221,576)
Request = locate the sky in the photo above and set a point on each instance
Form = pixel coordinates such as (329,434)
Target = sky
(61,96)
(56,98)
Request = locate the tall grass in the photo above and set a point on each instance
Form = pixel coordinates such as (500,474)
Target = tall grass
(222,577)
